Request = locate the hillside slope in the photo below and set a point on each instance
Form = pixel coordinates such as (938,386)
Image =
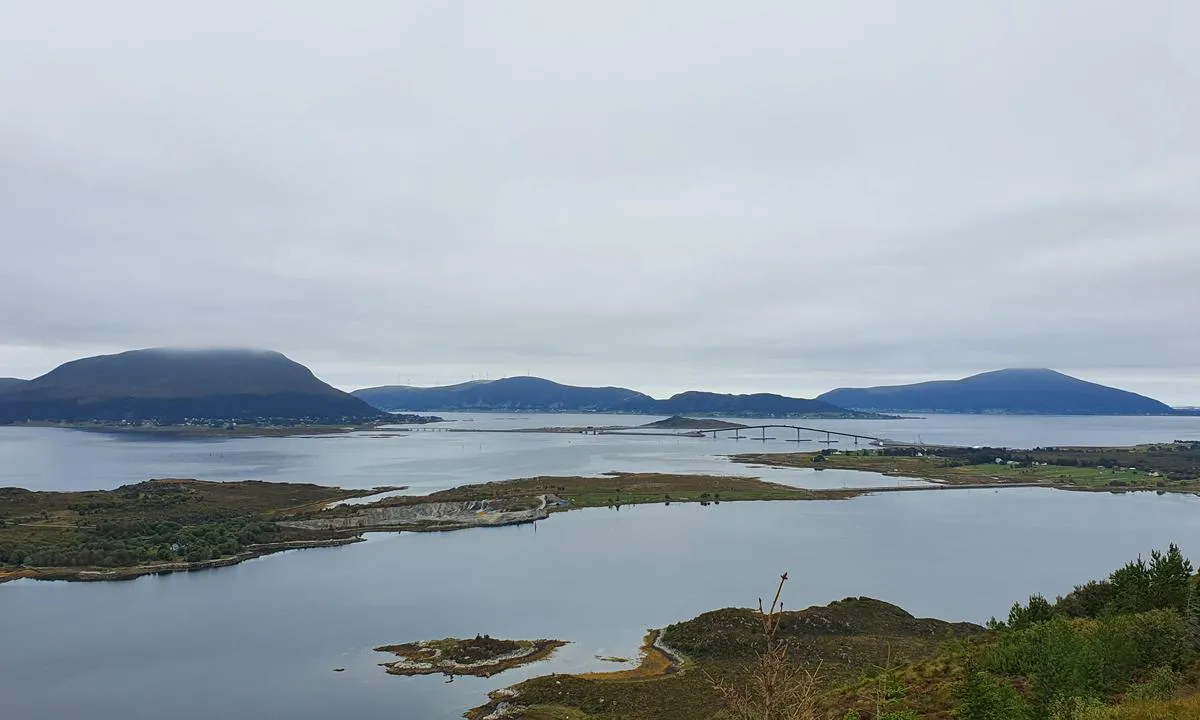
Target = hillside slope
(531,394)
(1016,391)
(759,405)
(9,384)
(514,393)
(169,385)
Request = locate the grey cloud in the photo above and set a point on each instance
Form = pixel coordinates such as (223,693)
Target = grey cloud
(761,196)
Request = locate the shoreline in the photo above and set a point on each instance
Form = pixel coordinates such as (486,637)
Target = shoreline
(527,500)
(117,574)
(71,574)
(932,469)
(426,658)
(201,432)
(656,660)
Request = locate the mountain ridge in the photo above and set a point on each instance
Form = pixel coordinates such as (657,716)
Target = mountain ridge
(1028,391)
(8,383)
(532,394)
(171,384)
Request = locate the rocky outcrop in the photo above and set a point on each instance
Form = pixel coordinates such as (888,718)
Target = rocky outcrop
(432,515)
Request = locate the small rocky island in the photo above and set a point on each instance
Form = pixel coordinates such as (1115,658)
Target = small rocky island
(482,656)
(678,422)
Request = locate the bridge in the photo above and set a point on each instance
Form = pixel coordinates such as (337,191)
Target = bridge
(745,431)
(739,432)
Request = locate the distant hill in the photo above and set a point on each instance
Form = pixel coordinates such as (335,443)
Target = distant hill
(169,385)
(514,393)
(7,384)
(1014,391)
(530,394)
(757,405)
(678,422)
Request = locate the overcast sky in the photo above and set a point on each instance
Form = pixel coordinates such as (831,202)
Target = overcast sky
(739,196)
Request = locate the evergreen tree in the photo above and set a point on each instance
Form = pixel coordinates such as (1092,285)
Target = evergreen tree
(1168,579)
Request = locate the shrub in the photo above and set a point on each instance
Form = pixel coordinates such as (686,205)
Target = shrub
(982,696)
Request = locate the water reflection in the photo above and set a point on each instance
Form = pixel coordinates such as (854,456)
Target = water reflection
(41,458)
(261,639)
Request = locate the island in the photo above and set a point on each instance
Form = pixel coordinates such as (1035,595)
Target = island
(679,422)
(481,656)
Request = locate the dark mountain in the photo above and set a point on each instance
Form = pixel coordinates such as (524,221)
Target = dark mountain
(759,404)
(532,394)
(7,384)
(170,385)
(514,393)
(1016,391)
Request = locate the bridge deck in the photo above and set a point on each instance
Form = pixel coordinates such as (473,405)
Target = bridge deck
(797,428)
(690,432)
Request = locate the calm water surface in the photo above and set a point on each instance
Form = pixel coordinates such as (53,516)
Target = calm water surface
(49,459)
(260,640)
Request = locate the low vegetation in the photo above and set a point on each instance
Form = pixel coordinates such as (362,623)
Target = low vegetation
(1123,648)
(166,525)
(1168,466)
(154,523)
(482,656)
(162,525)
(613,490)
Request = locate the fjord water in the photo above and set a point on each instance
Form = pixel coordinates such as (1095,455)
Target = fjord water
(53,459)
(262,639)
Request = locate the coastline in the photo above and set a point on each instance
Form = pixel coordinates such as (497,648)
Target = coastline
(428,657)
(527,500)
(935,469)
(72,574)
(238,431)
(94,574)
